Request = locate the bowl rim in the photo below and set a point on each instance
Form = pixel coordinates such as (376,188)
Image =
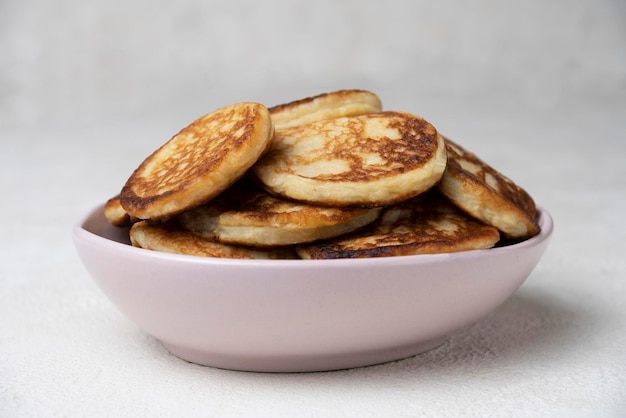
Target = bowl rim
(80,233)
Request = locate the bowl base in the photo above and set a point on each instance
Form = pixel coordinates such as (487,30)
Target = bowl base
(300,363)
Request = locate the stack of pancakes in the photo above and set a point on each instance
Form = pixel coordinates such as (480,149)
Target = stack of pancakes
(330,176)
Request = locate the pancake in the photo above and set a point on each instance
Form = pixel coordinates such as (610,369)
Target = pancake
(247,215)
(488,195)
(325,106)
(426,224)
(368,160)
(171,238)
(115,213)
(199,162)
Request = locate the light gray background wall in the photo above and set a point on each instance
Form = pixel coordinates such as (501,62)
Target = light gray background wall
(75,62)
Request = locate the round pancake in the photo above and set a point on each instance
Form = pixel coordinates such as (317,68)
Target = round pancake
(115,213)
(487,194)
(199,162)
(247,215)
(325,106)
(427,224)
(369,160)
(170,237)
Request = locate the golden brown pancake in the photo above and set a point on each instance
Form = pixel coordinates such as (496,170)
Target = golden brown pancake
(246,215)
(487,194)
(171,238)
(199,162)
(325,106)
(369,160)
(426,224)
(115,213)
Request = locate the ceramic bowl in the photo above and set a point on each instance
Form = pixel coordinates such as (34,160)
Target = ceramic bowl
(301,315)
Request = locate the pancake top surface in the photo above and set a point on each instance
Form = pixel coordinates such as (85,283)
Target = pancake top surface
(373,159)
(199,162)
(248,205)
(245,214)
(487,194)
(325,106)
(426,224)
(170,237)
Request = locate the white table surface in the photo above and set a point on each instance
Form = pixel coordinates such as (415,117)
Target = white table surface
(556,348)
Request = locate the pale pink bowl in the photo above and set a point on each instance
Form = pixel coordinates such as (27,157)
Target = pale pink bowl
(301,315)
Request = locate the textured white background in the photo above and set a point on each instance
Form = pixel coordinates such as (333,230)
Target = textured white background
(536,88)
(83,62)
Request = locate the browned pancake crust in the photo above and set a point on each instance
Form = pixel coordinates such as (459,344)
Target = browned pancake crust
(325,106)
(427,224)
(418,145)
(170,237)
(374,159)
(199,162)
(487,194)
(115,213)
